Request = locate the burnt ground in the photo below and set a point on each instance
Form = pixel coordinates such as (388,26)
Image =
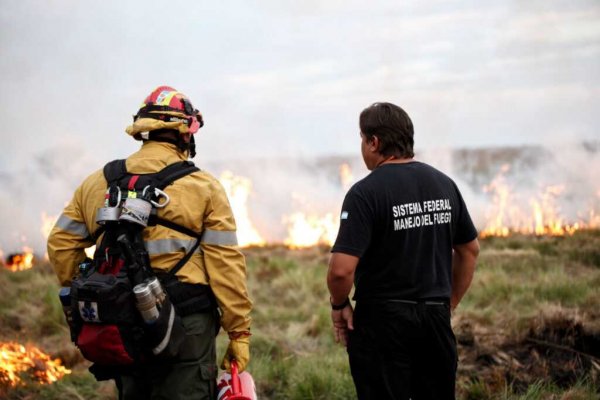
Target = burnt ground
(559,350)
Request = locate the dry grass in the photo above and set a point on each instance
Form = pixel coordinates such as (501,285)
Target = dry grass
(527,329)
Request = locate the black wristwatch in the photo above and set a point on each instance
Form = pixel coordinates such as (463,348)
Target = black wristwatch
(338,307)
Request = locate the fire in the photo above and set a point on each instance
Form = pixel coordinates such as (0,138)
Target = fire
(16,359)
(505,216)
(20,261)
(238,190)
(310,230)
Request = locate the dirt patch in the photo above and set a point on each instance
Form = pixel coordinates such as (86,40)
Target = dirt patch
(560,349)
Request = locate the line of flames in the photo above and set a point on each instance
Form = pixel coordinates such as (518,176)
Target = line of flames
(505,215)
(304,229)
(16,360)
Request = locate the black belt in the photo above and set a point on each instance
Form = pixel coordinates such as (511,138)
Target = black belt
(433,302)
(416,302)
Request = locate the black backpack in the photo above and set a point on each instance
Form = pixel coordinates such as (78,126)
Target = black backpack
(107,324)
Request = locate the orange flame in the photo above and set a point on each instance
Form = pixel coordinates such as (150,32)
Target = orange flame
(309,230)
(20,261)
(16,359)
(505,217)
(238,190)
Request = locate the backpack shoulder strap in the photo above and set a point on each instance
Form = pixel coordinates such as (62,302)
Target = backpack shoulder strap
(165,177)
(114,170)
(174,171)
(176,227)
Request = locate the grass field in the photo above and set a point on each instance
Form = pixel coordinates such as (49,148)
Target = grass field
(529,328)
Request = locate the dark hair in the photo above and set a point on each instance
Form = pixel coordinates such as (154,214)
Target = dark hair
(392,126)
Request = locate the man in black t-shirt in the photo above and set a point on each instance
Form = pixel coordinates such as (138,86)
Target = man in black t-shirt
(408,245)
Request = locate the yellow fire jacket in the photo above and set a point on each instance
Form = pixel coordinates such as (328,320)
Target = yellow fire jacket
(198,202)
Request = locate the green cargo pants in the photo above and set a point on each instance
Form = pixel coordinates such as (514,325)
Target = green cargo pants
(191,376)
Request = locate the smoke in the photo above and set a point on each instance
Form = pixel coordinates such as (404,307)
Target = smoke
(560,179)
(281,187)
(42,185)
(574,168)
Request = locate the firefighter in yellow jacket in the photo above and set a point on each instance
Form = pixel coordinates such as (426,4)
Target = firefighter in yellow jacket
(165,124)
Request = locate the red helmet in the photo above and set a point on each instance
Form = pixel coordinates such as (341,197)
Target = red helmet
(166,108)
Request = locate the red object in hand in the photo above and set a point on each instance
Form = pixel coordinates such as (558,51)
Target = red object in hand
(235,383)
(236,386)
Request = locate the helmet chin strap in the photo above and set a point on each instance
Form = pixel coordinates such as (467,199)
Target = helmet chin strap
(184,146)
(192,147)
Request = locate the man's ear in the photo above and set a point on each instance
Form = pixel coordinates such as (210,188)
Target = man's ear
(374,143)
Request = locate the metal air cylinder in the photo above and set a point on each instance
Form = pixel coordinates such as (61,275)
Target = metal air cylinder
(146,302)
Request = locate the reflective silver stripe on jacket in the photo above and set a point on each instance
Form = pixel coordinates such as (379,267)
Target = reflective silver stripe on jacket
(162,246)
(77,228)
(220,238)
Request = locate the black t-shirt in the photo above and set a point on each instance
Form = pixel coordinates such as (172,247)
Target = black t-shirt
(402,221)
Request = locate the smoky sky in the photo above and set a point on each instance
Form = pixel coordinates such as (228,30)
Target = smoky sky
(277,79)
(290,78)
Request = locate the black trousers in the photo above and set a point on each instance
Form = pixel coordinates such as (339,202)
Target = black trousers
(401,351)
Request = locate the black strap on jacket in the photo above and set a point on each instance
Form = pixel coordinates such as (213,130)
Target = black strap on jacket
(116,174)
(116,170)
